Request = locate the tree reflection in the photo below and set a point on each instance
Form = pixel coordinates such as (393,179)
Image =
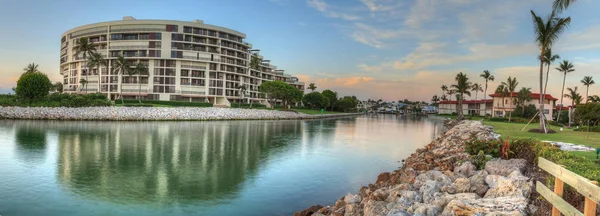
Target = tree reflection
(30,141)
(181,162)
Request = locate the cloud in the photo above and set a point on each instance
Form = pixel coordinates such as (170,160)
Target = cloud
(380,5)
(372,36)
(323,7)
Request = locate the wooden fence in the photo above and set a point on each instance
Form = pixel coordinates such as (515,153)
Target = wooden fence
(585,187)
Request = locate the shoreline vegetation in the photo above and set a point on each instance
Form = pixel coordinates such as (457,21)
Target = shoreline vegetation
(461,173)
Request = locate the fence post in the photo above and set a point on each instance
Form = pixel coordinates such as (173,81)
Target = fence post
(590,206)
(558,190)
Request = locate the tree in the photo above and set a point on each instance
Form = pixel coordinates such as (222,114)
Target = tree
(488,77)
(273,90)
(242,91)
(85,47)
(511,86)
(444,90)
(332,98)
(31,68)
(561,5)
(291,95)
(462,87)
(594,99)
(83,83)
(315,99)
(255,62)
(565,67)
(33,85)
(58,86)
(312,87)
(139,69)
(477,88)
(435,100)
(546,33)
(502,90)
(444,98)
(122,66)
(523,97)
(345,104)
(587,81)
(575,99)
(548,59)
(95,60)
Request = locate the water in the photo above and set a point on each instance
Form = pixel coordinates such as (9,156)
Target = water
(197,168)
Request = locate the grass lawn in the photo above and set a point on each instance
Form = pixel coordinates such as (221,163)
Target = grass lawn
(314,112)
(591,139)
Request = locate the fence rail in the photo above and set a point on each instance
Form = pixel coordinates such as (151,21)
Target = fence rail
(585,187)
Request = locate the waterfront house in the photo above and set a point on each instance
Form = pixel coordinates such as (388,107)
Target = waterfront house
(503,105)
(469,107)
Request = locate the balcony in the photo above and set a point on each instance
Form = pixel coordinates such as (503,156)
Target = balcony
(139,30)
(129,47)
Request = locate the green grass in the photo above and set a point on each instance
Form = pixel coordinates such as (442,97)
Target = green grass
(314,112)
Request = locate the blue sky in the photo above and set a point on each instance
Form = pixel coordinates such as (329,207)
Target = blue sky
(389,49)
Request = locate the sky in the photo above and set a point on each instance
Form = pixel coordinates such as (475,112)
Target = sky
(373,49)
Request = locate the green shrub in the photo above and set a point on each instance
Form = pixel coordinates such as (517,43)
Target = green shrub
(57,100)
(492,148)
(33,85)
(591,129)
(167,103)
(523,120)
(246,105)
(138,105)
(498,119)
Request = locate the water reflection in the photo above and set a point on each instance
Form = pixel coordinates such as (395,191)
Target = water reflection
(164,162)
(31,142)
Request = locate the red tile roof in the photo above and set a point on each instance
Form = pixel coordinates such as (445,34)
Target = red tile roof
(534,96)
(468,101)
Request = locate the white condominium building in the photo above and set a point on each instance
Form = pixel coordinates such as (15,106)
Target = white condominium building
(187,61)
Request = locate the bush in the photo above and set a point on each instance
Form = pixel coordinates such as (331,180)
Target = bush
(57,100)
(167,103)
(246,105)
(492,148)
(138,105)
(498,119)
(591,129)
(523,120)
(33,85)
(530,111)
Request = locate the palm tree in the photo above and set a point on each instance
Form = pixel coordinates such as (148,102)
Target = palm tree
(561,5)
(587,81)
(511,86)
(523,96)
(312,87)
(83,83)
(546,34)
(435,99)
(95,60)
(548,59)
(122,66)
(85,47)
(58,86)
(444,89)
(565,68)
(462,87)
(139,69)
(503,92)
(477,88)
(242,91)
(31,68)
(575,98)
(594,99)
(488,77)
(444,98)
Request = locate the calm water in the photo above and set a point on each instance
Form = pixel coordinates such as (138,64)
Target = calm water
(197,168)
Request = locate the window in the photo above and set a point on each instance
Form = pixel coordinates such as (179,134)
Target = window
(116,37)
(172,28)
(196,73)
(546,111)
(169,72)
(185,73)
(185,81)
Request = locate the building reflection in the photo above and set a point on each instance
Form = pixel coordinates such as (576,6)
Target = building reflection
(165,162)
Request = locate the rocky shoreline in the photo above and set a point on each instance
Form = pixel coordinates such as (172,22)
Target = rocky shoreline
(153,114)
(441,179)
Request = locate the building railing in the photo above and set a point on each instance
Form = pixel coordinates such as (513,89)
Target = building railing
(139,30)
(88,33)
(585,187)
(130,47)
(193,67)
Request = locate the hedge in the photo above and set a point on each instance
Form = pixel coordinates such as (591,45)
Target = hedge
(57,100)
(167,103)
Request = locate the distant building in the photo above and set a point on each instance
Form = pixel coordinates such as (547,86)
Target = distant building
(503,105)
(429,109)
(469,107)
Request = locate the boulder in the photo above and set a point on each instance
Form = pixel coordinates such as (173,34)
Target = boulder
(460,185)
(399,213)
(466,169)
(429,190)
(309,211)
(352,199)
(505,167)
(487,206)
(352,210)
(443,200)
(434,175)
(516,185)
(428,210)
(478,184)
(375,208)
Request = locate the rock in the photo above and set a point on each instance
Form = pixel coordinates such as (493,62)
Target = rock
(309,211)
(428,190)
(352,210)
(352,199)
(380,194)
(383,178)
(375,208)
(466,169)
(478,184)
(399,213)
(406,175)
(408,198)
(460,185)
(432,175)
(443,200)
(397,191)
(487,206)
(505,167)
(428,210)
(516,185)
